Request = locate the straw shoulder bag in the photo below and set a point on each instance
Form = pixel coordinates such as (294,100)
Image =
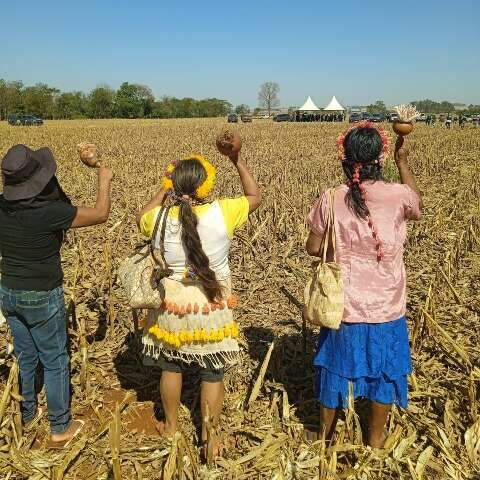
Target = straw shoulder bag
(324,294)
(141,274)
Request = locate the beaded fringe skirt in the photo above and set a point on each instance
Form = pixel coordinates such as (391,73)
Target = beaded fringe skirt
(190,328)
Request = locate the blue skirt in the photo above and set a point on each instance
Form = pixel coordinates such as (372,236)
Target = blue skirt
(375,357)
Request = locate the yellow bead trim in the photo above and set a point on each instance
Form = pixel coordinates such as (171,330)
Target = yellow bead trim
(177,339)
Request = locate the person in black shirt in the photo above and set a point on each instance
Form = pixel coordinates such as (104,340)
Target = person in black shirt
(34,215)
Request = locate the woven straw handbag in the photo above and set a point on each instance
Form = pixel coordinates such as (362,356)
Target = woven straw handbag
(324,294)
(141,274)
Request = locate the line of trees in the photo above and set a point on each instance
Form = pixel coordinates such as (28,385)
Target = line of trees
(377,107)
(129,101)
(428,106)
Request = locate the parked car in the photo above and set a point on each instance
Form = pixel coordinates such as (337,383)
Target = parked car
(377,118)
(355,117)
(232,118)
(391,117)
(22,119)
(246,118)
(281,117)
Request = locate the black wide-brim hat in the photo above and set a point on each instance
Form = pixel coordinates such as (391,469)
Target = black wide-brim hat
(26,172)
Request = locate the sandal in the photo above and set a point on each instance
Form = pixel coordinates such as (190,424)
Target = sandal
(77,426)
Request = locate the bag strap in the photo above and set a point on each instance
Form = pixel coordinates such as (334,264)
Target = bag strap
(161,219)
(162,233)
(155,228)
(329,236)
(332,219)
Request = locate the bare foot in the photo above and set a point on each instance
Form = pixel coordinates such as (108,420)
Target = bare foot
(378,443)
(311,435)
(163,428)
(211,449)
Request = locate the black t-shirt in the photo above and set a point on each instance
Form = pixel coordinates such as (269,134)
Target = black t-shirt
(30,241)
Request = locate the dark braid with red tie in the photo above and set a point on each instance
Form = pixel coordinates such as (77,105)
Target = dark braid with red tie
(363,152)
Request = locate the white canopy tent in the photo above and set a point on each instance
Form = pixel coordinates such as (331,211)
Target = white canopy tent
(334,105)
(309,106)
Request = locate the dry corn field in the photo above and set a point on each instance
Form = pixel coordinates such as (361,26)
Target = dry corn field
(269,396)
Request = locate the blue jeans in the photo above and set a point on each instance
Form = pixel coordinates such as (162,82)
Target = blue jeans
(38,324)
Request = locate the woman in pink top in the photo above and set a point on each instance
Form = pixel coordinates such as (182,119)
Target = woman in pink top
(371,348)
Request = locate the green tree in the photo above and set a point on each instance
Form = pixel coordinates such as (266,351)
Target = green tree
(70,105)
(145,96)
(242,109)
(101,102)
(171,107)
(430,106)
(39,100)
(268,96)
(214,107)
(10,98)
(127,105)
(377,107)
(133,101)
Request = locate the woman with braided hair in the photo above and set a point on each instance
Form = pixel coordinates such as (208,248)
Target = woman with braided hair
(371,348)
(195,325)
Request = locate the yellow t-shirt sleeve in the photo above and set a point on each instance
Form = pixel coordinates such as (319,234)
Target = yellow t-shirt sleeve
(235,213)
(147,222)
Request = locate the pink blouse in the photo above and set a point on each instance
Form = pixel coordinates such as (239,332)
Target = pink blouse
(375,292)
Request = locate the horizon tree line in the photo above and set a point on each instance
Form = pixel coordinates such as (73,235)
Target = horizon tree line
(132,100)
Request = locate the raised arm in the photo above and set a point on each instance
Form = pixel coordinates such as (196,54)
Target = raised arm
(406,176)
(229,144)
(249,185)
(155,201)
(87,216)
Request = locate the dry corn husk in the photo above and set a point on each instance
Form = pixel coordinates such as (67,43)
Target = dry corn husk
(406,113)
(437,437)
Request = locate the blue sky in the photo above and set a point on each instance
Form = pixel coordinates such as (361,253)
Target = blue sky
(360,51)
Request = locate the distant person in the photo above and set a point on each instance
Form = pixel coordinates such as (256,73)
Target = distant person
(448,122)
(371,349)
(196,325)
(35,213)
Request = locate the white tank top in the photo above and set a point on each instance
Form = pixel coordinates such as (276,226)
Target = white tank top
(215,242)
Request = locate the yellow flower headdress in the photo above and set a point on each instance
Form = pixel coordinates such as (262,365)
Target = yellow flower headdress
(205,188)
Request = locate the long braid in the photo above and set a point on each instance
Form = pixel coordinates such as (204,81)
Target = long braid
(363,162)
(356,184)
(188,175)
(196,257)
